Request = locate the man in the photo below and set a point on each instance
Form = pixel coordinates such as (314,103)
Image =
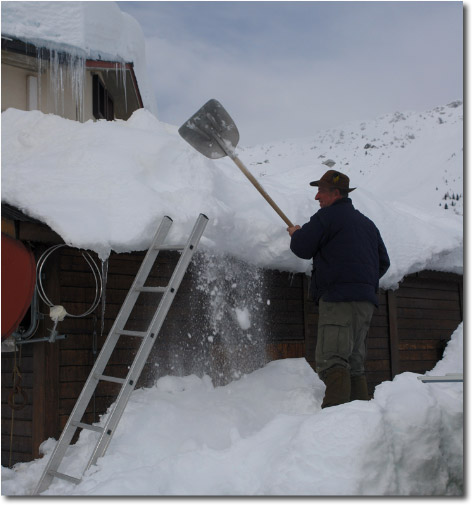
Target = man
(349,258)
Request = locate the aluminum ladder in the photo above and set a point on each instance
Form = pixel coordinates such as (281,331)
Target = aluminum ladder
(148,338)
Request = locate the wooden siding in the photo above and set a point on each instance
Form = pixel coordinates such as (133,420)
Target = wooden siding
(409,331)
(17,424)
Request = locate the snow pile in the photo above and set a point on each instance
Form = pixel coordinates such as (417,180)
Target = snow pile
(106,185)
(94,30)
(265,434)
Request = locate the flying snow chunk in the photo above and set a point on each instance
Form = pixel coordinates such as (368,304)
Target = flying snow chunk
(242,316)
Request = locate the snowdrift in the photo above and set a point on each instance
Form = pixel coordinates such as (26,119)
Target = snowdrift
(265,434)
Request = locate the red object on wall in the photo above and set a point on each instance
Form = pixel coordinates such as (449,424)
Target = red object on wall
(18,283)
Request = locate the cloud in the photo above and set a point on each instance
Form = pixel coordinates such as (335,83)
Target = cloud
(287,69)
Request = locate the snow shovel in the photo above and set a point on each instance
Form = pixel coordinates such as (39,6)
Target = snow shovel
(213,133)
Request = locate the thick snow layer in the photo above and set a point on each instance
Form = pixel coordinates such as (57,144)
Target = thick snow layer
(106,185)
(95,30)
(266,434)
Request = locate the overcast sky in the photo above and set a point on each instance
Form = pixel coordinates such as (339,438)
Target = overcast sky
(287,69)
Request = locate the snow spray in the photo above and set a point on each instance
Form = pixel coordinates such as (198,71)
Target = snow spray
(235,329)
(225,336)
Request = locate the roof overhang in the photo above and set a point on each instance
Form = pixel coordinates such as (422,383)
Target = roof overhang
(119,76)
(112,70)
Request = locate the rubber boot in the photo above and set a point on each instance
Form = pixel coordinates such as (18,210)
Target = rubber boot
(338,386)
(359,388)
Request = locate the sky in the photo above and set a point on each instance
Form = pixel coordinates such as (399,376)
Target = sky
(289,69)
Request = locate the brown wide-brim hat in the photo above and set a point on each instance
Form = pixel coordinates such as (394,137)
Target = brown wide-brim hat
(334,179)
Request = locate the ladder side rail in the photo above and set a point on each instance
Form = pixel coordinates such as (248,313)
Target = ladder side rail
(55,459)
(102,360)
(153,251)
(141,276)
(126,308)
(146,346)
(178,274)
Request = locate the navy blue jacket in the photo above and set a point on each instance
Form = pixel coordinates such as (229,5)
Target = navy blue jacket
(349,255)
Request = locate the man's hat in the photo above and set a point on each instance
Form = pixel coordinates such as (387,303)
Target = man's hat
(334,179)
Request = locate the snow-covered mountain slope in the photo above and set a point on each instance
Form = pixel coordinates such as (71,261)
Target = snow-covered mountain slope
(105,185)
(413,157)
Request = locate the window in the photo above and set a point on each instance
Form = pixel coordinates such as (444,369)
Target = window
(103,107)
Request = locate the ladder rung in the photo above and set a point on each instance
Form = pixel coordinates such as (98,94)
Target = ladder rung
(109,378)
(178,247)
(90,427)
(63,476)
(151,289)
(131,333)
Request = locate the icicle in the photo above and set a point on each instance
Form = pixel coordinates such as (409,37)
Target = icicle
(120,74)
(53,80)
(66,71)
(60,79)
(123,78)
(77,78)
(39,57)
(104,290)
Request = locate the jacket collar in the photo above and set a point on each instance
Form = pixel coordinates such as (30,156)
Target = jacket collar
(342,200)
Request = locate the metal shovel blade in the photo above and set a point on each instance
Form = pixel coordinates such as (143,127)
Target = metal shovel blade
(211,131)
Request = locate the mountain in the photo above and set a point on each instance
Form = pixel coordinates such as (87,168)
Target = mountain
(417,156)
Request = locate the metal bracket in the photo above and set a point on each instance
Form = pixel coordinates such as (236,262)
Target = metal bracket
(44,339)
(449,377)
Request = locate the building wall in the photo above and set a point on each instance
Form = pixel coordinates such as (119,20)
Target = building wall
(14,87)
(17,422)
(48,94)
(409,332)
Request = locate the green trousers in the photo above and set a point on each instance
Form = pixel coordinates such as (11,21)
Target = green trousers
(342,331)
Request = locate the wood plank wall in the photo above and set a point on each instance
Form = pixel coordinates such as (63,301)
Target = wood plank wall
(429,308)
(297,336)
(409,331)
(17,424)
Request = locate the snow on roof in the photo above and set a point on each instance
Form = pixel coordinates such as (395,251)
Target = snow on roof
(93,30)
(106,185)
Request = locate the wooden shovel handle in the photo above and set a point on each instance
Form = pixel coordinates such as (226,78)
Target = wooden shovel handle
(261,190)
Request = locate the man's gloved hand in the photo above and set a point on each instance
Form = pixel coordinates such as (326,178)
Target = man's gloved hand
(292,229)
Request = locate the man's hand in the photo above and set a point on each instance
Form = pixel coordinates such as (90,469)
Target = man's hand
(292,229)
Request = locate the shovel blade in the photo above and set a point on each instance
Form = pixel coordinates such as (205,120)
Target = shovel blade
(211,131)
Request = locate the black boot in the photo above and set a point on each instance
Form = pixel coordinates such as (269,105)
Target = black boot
(338,386)
(359,388)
